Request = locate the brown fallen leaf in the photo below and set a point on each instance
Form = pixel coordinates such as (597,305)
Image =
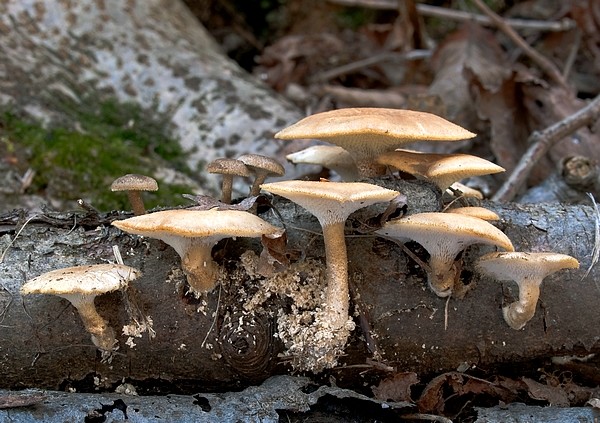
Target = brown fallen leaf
(20,400)
(555,395)
(396,388)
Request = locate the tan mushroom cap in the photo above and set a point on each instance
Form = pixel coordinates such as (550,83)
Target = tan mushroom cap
(134,182)
(94,279)
(196,223)
(519,265)
(319,197)
(329,156)
(225,166)
(441,169)
(475,211)
(263,167)
(368,132)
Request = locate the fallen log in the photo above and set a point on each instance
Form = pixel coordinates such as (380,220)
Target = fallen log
(233,337)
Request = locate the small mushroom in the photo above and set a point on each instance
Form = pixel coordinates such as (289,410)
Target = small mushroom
(228,168)
(369,132)
(444,235)
(331,203)
(80,285)
(330,157)
(460,190)
(528,270)
(193,234)
(262,167)
(441,169)
(134,185)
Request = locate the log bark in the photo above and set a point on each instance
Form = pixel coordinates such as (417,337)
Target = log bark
(61,59)
(402,324)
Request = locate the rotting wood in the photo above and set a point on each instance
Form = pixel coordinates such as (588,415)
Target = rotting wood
(43,344)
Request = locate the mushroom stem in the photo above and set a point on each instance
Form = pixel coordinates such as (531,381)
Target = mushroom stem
(442,275)
(137,204)
(199,267)
(518,313)
(103,336)
(258,181)
(337,296)
(227,189)
(368,168)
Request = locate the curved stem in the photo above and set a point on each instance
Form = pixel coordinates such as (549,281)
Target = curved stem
(441,275)
(199,267)
(103,336)
(517,314)
(337,296)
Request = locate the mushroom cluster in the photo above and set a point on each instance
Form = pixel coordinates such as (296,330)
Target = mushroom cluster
(366,144)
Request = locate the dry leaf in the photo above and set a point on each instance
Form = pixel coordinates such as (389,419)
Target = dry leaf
(396,388)
(555,395)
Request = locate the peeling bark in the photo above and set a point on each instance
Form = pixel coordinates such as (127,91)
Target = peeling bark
(43,344)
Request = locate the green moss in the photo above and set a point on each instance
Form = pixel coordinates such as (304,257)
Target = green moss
(114,139)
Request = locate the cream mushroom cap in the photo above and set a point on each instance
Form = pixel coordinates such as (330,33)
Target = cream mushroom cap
(368,132)
(329,156)
(444,235)
(528,270)
(80,285)
(475,211)
(193,233)
(442,169)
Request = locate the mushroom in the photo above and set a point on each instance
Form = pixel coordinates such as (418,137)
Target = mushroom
(80,285)
(228,168)
(369,132)
(441,169)
(262,167)
(134,184)
(330,157)
(193,233)
(474,211)
(444,235)
(460,190)
(527,270)
(331,203)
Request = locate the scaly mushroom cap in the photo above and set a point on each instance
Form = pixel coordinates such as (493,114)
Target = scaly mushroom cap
(516,266)
(441,169)
(134,182)
(329,156)
(92,280)
(178,227)
(444,235)
(259,163)
(331,201)
(224,166)
(368,132)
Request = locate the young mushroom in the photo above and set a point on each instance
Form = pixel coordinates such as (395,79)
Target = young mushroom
(441,169)
(228,168)
(80,285)
(331,203)
(330,157)
(528,270)
(134,185)
(262,167)
(367,132)
(444,235)
(193,234)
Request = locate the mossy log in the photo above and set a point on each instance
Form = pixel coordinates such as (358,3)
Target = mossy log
(216,343)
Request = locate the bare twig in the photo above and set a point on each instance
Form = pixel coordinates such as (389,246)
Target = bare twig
(540,142)
(572,54)
(458,15)
(546,65)
(596,250)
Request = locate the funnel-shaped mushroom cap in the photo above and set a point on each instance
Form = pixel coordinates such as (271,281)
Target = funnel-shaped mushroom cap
(516,266)
(445,233)
(89,280)
(329,156)
(441,169)
(331,201)
(177,227)
(368,132)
